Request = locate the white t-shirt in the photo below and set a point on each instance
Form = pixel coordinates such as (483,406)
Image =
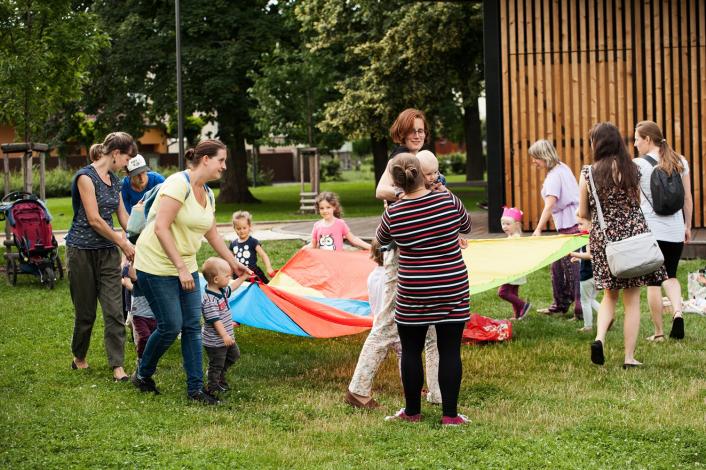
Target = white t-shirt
(667,228)
(376,290)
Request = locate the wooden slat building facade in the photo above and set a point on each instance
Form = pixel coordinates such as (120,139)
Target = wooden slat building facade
(554,68)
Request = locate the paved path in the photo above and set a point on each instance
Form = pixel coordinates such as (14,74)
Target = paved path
(365,227)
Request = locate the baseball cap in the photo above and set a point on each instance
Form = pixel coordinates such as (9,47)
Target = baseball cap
(137,165)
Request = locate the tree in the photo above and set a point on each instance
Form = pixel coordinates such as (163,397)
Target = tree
(395,55)
(221,43)
(70,128)
(46,48)
(291,88)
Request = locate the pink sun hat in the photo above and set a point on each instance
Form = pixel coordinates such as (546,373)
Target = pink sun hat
(513,213)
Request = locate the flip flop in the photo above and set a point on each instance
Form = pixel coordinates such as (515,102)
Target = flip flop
(655,338)
(597,356)
(677,328)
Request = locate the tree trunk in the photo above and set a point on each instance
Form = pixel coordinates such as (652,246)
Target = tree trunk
(379,147)
(234,183)
(475,160)
(63,158)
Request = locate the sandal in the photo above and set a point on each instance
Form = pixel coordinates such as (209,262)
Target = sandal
(597,356)
(677,328)
(655,338)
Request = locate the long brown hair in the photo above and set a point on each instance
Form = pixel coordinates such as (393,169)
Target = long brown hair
(669,160)
(612,165)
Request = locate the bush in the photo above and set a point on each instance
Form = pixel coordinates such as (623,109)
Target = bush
(330,170)
(362,147)
(452,164)
(264,177)
(57,181)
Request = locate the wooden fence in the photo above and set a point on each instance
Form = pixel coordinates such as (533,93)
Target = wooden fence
(566,65)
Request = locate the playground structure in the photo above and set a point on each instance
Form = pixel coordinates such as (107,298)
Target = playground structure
(307,199)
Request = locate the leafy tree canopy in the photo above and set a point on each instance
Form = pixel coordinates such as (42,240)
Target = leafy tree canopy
(221,43)
(46,48)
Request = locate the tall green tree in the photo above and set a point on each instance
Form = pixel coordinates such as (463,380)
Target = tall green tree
(445,46)
(221,43)
(394,55)
(291,88)
(46,48)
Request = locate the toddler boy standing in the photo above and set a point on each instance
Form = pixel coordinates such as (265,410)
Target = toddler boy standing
(217,331)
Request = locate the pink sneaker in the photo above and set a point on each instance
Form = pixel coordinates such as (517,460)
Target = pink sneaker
(458,420)
(402,416)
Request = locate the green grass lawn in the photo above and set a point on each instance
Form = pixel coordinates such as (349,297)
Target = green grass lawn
(534,402)
(281,202)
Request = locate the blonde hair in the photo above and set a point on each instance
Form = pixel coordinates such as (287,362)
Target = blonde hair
(331,198)
(544,150)
(213,267)
(427,158)
(669,160)
(516,223)
(242,215)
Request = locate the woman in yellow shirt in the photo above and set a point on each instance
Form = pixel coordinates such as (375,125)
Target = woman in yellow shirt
(167,271)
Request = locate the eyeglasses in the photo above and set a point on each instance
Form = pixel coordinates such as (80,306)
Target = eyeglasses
(418,132)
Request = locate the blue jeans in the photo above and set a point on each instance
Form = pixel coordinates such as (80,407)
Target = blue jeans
(177,311)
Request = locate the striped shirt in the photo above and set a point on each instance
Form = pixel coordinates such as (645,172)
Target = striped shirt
(214,307)
(432,279)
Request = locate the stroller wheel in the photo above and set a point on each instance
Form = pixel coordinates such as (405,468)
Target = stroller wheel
(48,278)
(11,271)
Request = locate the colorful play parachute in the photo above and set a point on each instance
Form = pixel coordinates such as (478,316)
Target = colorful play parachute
(323,294)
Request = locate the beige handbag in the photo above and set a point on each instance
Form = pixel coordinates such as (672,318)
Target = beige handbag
(633,256)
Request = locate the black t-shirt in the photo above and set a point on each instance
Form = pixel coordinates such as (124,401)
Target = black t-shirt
(397,150)
(586,269)
(245,251)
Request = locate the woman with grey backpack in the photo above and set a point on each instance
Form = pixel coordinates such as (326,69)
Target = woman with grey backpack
(666,201)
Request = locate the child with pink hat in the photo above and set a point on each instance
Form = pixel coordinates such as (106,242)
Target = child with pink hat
(511,223)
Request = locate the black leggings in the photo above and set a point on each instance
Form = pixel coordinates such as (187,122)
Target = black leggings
(449,344)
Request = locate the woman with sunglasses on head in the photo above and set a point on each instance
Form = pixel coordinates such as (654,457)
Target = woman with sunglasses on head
(92,254)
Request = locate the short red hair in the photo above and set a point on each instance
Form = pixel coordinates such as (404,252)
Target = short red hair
(404,125)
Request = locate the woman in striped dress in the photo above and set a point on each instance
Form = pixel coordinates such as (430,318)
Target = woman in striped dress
(432,283)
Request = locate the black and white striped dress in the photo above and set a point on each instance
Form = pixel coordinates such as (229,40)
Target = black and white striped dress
(432,279)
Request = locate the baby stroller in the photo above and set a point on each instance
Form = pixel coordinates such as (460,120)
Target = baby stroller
(30,226)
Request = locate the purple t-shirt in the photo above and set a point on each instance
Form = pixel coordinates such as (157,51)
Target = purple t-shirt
(561,183)
(330,237)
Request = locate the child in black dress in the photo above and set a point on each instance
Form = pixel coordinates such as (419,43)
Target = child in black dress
(246,248)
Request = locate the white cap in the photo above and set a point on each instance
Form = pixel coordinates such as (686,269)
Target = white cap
(137,165)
